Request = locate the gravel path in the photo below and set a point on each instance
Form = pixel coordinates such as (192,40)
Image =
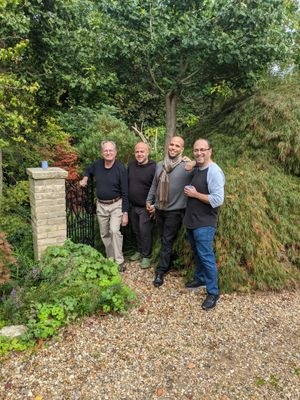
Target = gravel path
(168,348)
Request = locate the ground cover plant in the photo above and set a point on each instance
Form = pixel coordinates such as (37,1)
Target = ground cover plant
(70,281)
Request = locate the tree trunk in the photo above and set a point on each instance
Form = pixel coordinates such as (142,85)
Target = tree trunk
(171,107)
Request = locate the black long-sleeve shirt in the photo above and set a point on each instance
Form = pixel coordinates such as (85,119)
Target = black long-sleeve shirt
(140,177)
(110,182)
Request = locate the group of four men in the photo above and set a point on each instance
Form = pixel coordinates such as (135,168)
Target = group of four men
(175,190)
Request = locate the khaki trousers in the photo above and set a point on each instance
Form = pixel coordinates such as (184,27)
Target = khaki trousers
(109,219)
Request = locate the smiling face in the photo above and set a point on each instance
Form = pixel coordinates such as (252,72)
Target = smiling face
(141,153)
(175,147)
(109,151)
(202,152)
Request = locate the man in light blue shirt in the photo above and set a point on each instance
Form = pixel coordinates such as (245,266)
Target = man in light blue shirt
(205,196)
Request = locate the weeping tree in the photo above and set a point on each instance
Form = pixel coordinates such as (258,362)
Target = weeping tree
(195,46)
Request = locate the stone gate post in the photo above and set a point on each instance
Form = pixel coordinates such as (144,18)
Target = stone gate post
(48,207)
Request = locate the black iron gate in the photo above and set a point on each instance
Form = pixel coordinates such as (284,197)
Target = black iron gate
(81,209)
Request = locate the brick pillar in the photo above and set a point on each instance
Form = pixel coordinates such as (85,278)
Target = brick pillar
(48,207)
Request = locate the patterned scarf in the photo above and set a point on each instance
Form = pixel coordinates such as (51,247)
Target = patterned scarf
(162,193)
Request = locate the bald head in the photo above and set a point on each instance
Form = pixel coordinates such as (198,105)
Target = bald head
(141,153)
(176,146)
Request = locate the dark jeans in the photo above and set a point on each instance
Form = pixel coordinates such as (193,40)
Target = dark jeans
(142,226)
(168,223)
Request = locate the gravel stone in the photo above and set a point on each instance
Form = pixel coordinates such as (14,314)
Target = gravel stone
(247,348)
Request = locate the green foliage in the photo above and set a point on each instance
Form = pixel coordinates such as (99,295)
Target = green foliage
(155,138)
(206,47)
(15,221)
(24,132)
(101,126)
(48,318)
(270,119)
(14,344)
(257,244)
(71,281)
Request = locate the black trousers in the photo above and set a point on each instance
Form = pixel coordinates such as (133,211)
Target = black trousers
(168,223)
(142,226)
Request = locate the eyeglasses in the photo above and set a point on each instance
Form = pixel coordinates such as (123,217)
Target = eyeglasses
(201,150)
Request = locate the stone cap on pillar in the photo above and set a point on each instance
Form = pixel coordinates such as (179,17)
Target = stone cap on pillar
(47,173)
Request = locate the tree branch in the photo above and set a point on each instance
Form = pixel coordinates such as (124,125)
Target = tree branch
(184,80)
(154,79)
(183,67)
(139,132)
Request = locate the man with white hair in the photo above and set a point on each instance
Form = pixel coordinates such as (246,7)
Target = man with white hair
(112,199)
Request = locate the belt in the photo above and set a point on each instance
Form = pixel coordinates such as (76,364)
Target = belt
(109,201)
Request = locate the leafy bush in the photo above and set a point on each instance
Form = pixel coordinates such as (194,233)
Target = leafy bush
(268,122)
(71,281)
(15,221)
(96,126)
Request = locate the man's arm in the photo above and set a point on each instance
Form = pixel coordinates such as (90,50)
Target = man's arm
(189,165)
(215,182)
(84,181)
(87,172)
(124,191)
(152,192)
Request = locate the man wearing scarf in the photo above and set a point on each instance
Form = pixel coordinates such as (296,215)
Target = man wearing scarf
(167,196)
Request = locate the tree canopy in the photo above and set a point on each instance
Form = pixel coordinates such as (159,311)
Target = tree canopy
(196,45)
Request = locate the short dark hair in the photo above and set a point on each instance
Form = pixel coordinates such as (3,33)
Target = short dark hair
(208,144)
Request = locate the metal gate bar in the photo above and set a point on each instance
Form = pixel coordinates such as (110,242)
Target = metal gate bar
(81,209)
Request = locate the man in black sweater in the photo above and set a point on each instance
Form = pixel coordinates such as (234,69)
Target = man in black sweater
(112,199)
(140,175)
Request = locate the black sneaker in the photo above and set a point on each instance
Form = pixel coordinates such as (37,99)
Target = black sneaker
(159,279)
(195,284)
(210,301)
(122,267)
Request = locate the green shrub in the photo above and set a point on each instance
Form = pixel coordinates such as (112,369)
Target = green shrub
(267,122)
(71,281)
(96,126)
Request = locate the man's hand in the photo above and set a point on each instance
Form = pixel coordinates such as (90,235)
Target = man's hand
(124,219)
(189,165)
(84,181)
(150,208)
(190,191)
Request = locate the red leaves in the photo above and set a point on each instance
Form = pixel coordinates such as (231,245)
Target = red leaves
(6,258)
(63,156)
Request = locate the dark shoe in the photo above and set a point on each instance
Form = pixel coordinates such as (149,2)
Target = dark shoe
(210,301)
(122,267)
(159,279)
(195,284)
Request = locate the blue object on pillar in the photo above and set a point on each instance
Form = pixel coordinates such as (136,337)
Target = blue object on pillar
(44,164)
